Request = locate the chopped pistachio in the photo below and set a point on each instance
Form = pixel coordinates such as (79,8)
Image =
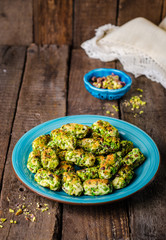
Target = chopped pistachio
(26,212)
(11,210)
(12,221)
(2,220)
(27,218)
(19,212)
(136,102)
(38,205)
(115,108)
(1,226)
(45,204)
(32,218)
(107,112)
(139,89)
(44,209)
(135,114)
(8,199)
(126,103)
(141,112)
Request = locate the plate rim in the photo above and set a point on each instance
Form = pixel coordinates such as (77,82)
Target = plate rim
(84,203)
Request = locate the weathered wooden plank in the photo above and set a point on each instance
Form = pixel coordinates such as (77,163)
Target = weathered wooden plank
(11,68)
(93,222)
(89,15)
(53,21)
(148,9)
(97,222)
(164,9)
(147,208)
(16,22)
(42,97)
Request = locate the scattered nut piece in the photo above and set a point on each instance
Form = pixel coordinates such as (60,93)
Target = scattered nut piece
(8,199)
(11,210)
(44,209)
(26,211)
(141,112)
(12,221)
(107,112)
(115,108)
(31,218)
(2,220)
(139,89)
(126,103)
(19,212)
(23,206)
(1,226)
(136,102)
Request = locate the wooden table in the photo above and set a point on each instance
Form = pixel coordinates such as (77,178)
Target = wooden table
(43,82)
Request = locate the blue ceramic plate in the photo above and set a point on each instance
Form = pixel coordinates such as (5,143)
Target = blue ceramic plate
(143,174)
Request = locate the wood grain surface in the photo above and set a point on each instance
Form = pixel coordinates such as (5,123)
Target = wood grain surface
(42,97)
(147,208)
(53,21)
(11,69)
(16,22)
(89,15)
(151,10)
(164,9)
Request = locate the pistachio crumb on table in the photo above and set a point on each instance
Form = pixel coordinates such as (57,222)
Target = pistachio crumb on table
(136,103)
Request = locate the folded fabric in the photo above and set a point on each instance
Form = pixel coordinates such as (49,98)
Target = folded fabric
(139,45)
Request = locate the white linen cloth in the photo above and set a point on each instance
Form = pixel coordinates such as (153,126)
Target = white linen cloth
(139,44)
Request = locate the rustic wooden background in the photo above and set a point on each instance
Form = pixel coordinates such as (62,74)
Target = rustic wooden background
(42,81)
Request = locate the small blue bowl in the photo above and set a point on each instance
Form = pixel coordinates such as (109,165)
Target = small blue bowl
(106,93)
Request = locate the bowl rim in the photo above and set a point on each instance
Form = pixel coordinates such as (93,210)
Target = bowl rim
(128,85)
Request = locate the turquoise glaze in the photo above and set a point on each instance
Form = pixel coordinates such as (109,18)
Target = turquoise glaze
(106,93)
(143,174)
